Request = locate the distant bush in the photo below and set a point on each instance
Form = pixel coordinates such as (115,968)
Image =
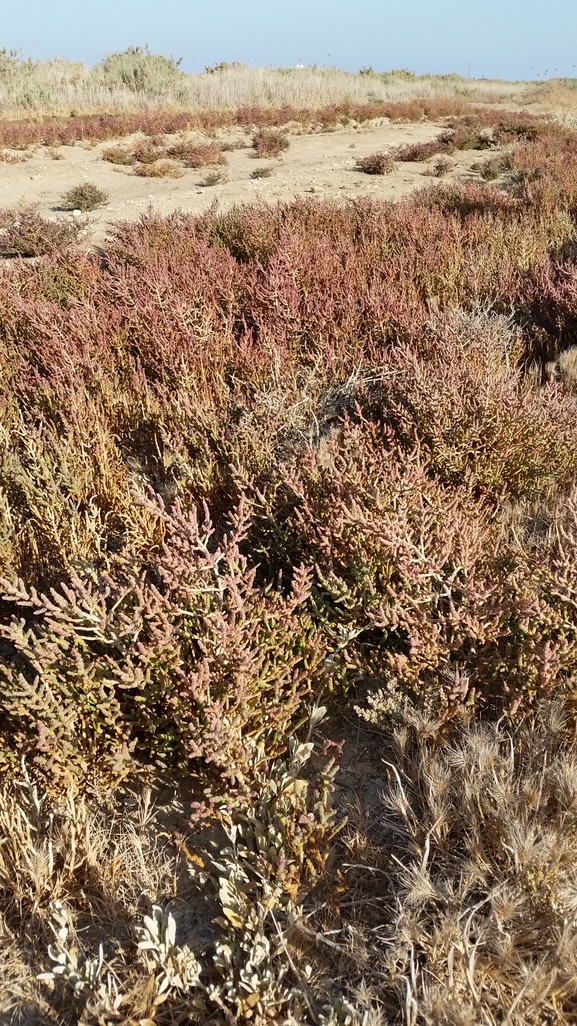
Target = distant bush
(269,143)
(84,197)
(376,164)
(142,71)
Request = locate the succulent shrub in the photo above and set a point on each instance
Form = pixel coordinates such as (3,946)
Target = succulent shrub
(85,197)
(269,142)
(24,232)
(376,164)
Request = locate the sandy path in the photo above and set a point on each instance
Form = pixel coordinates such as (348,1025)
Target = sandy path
(320,164)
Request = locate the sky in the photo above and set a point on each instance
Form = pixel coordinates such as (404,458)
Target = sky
(513,39)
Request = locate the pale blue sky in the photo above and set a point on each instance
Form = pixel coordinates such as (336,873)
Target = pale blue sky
(491,38)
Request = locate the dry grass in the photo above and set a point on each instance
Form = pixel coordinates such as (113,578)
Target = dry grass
(160,169)
(105,916)
(455,897)
(16,157)
(564,369)
(122,155)
(102,858)
(137,81)
(440,168)
(214,178)
(262,172)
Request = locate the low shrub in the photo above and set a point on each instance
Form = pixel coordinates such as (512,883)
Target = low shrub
(84,197)
(236,144)
(122,155)
(214,178)
(160,169)
(269,142)
(145,682)
(25,233)
(196,155)
(262,172)
(376,164)
(11,157)
(422,151)
(148,151)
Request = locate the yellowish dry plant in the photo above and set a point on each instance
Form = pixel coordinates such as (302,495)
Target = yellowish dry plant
(456,887)
(564,368)
(64,87)
(160,169)
(101,858)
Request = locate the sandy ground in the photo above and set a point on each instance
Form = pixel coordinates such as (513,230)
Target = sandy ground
(315,164)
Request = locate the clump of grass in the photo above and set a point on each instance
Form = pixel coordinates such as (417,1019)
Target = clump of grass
(376,164)
(564,368)
(7,157)
(262,172)
(160,169)
(84,197)
(472,840)
(24,233)
(54,153)
(214,178)
(235,144)
(269,142)
(123,155)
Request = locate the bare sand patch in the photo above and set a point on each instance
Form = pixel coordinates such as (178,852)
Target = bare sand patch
(320,164)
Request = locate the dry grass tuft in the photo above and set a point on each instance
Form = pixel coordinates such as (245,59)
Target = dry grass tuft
(122,155)
(440,168)
(262,172)
(160,169)
(214,178)
(457,888)
(16,157)
(564,368)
